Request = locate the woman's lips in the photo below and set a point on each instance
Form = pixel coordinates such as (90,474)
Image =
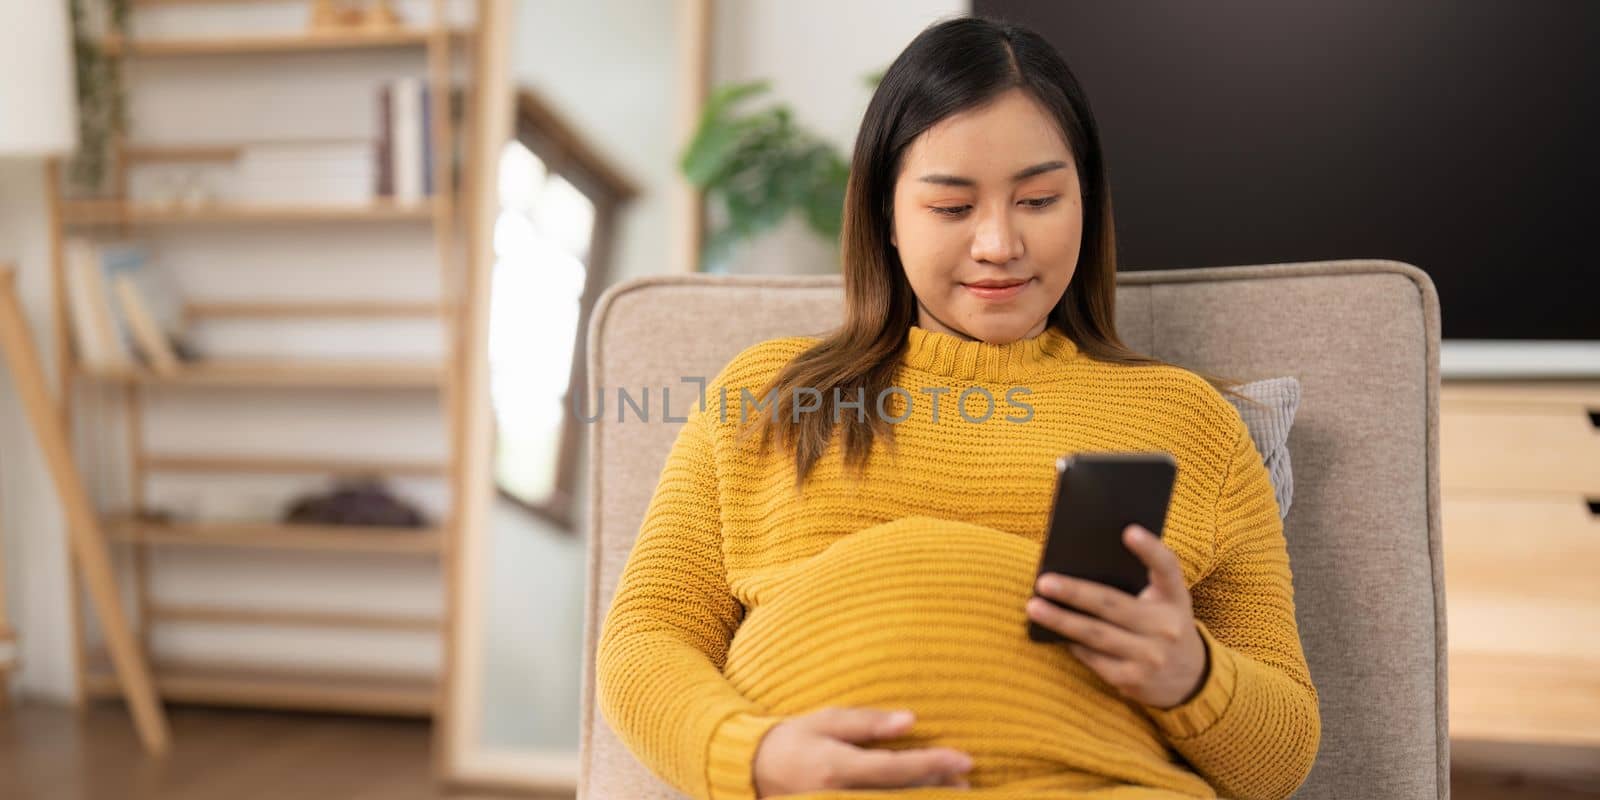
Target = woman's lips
(997,292)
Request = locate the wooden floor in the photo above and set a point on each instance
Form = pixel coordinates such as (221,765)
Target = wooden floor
(1466,785)
(53,753)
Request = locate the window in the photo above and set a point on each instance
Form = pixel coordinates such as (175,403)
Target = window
(552,235)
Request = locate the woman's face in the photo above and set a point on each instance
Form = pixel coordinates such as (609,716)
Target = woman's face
(988,196)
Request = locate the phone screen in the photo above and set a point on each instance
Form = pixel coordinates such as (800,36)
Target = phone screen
(1097,496)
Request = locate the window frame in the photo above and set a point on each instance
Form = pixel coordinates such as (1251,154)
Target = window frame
(547,135)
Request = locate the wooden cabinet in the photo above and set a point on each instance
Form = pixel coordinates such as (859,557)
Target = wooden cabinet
(1520,477)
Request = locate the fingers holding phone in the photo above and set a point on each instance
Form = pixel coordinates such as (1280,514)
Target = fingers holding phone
(1146,645)
(1109,587)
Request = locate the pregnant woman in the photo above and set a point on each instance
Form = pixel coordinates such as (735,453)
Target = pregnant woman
(848,526)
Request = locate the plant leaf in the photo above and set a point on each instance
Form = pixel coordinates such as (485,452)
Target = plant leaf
(758,167)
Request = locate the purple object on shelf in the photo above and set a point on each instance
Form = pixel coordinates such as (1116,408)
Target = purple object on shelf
(357,502)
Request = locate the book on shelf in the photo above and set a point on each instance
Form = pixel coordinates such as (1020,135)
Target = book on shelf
(427,140)
(95,333)
(124,309)
(146,326)
(384,168)
(403,154)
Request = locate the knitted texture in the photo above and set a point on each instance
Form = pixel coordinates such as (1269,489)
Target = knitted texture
(743,602)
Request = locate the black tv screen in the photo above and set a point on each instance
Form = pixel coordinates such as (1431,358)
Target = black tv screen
(1462,137)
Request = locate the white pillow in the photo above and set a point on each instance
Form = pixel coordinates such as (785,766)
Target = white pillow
(1269,427)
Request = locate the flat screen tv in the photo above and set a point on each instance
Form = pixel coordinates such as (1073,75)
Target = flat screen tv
(1462,137)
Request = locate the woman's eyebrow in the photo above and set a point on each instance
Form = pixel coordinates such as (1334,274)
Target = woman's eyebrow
(955,180)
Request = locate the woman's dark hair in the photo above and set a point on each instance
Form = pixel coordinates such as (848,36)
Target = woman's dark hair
(952,66)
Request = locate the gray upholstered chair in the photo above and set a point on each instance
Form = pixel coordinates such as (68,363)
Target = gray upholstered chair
(1363,530)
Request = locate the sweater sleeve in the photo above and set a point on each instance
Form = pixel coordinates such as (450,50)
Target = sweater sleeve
(662,647)
(1253,728)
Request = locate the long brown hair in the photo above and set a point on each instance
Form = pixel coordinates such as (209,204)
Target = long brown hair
(950,67)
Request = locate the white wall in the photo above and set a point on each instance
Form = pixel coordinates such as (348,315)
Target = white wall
(815,54)
(607,67)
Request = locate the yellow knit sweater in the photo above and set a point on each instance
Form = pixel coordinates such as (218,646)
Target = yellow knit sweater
(743,603)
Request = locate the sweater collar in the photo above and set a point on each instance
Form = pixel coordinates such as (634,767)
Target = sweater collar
(954,357)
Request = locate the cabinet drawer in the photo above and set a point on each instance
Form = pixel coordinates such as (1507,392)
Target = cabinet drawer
(1512,698)
(1519,575)
(1545,447)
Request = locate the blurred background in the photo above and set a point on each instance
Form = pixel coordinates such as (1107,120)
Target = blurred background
(244,234)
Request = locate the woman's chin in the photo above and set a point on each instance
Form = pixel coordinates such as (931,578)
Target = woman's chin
(997,326)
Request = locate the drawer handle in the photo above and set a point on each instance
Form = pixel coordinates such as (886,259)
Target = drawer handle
(1594,418)
(1594,505)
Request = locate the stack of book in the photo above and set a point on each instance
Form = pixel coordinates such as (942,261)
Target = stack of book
(397,166)
(125,311)
(405,141)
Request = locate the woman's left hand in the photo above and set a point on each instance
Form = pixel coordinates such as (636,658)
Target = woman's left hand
(1146,646)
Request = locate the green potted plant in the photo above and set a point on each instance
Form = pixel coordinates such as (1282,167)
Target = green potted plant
(758,167)
(102,115)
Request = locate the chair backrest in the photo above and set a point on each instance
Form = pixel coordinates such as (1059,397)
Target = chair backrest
(1363,530)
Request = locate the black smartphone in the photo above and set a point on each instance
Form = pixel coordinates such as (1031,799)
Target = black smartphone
(1097,496)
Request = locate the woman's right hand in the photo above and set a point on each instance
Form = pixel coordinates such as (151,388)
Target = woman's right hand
(818,751)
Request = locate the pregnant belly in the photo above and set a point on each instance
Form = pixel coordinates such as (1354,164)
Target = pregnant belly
(928,615)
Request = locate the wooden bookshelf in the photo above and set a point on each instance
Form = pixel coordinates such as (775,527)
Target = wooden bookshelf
(347,309)
(117,212)
(269,536)
(260,686)
(8,662)
(437,49)
(267,617)
(148,3)
(143,153)
(272,43)
(291,374)
(280,465)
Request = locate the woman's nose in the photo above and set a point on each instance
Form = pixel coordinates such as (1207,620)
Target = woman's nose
(996,240)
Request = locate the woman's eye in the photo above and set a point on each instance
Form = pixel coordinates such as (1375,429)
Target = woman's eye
(956,211)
